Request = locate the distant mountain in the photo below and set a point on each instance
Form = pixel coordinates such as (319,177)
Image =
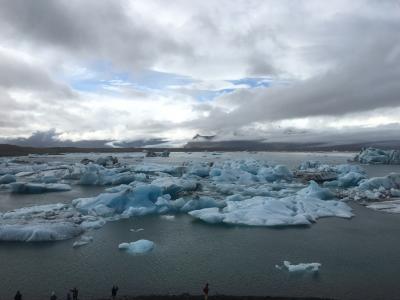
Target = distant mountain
(51,138)
(262,145)
(202,138)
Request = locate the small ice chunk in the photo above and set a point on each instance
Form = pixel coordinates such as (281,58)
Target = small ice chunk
(301,267)
(93,224)
(136,230)
(138,247)
(84,240)
(168,217)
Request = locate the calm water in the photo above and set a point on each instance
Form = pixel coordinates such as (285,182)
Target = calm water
(360,257)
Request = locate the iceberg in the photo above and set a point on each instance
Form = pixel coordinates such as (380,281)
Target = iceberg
(133,201)
(138,247)
(378,156)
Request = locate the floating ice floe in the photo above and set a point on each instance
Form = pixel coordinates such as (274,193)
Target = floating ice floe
(392,206)
(37,188)
(138,247)
(51,222)
(39,231)
(301,267)
(136,230)
(378,156)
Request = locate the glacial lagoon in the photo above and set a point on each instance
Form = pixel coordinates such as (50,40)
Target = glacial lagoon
(359,256)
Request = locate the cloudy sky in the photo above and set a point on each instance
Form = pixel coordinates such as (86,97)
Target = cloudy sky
(129,70)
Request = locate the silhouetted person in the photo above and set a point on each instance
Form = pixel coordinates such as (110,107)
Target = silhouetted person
(74,292)
(68,296)
(114,291)
(53,296)
(18,296)
(205,291)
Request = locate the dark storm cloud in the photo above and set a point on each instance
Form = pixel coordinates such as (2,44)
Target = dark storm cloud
(51,138)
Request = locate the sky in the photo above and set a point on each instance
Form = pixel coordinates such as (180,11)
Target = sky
(167,70)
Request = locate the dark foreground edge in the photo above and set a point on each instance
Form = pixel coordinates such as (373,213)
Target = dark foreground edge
(213,297)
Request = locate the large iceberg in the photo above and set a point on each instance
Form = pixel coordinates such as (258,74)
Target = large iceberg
(378,156)
(303,208)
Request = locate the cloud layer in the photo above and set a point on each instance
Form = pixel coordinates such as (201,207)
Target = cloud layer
(124,70)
